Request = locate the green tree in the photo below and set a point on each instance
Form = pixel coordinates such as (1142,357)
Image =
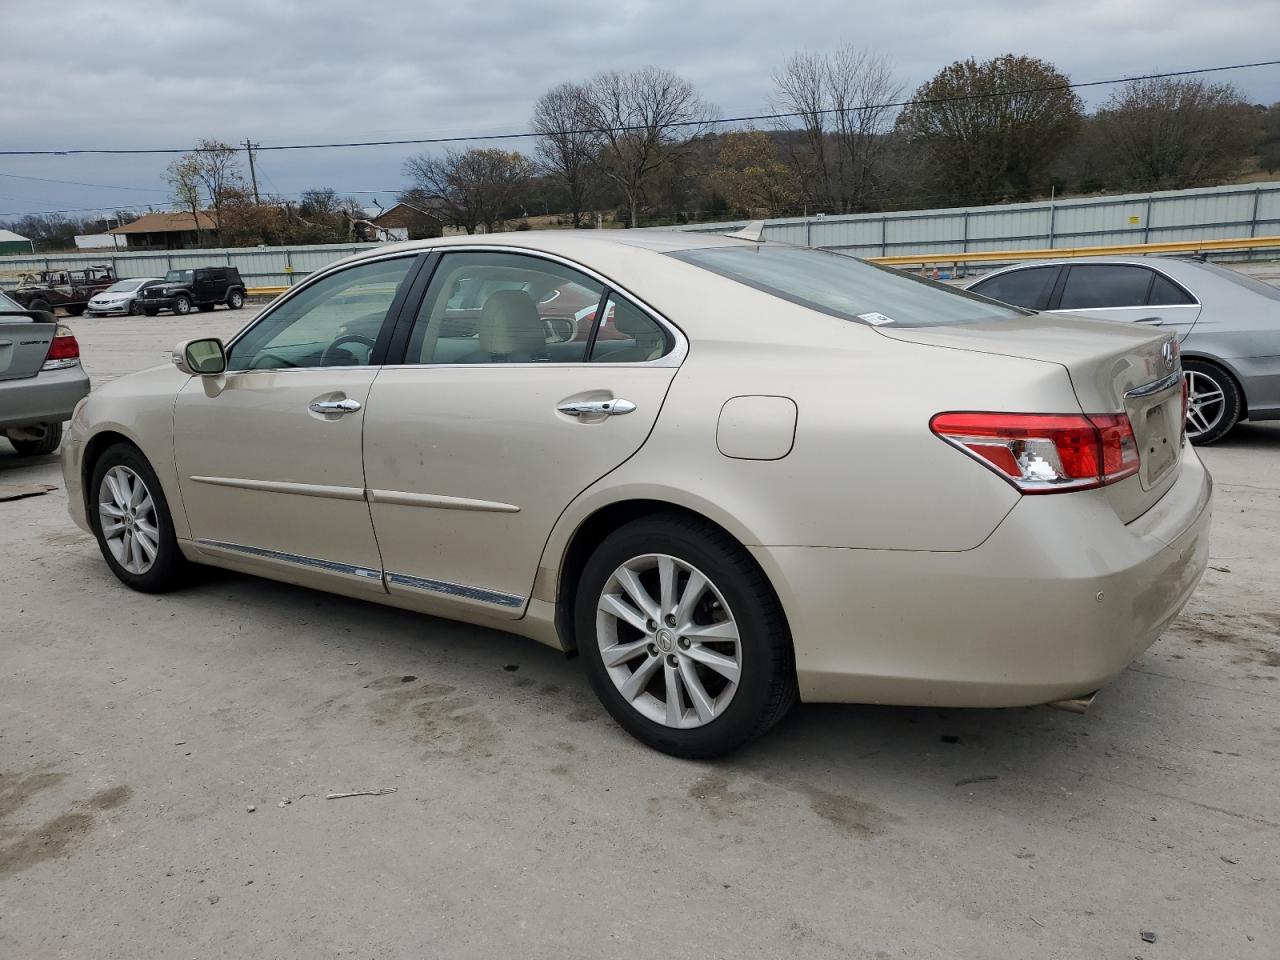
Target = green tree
(992,129)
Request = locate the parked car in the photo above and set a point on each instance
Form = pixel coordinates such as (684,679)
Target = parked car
(41,379)
(796,475)
(201,287)
(70,289)
(1228,323)
(121,297)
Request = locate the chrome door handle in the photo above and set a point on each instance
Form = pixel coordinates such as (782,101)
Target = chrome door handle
(1153,321)
(591,408)
(335,406)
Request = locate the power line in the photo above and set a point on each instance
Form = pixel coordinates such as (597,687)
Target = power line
(81,183)
(682,123)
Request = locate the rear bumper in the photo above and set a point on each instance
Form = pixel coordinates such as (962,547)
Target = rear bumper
(1055,603)
(48,397)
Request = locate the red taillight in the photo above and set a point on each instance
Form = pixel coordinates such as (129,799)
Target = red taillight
(64,351)
(1046,453)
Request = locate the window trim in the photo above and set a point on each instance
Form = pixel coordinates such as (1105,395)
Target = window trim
(409,313)
(1057,295)
(389,323)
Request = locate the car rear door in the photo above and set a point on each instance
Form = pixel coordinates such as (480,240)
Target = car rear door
(269,455)
(1128,292)
(493,423)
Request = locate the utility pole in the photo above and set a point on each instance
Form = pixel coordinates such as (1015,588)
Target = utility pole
(253,176)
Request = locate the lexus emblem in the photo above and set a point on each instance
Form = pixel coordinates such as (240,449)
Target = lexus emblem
(1166,351)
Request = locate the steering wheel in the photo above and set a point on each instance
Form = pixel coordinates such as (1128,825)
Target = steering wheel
(346,338)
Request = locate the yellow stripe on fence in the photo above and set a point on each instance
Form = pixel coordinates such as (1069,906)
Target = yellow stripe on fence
(1006,256)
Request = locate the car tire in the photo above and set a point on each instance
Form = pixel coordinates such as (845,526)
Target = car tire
(181,306)
(41,446)
(156,565)
(134,309)
(235,299)
(41,305)
(76,309)
(1214,403)
(727,691)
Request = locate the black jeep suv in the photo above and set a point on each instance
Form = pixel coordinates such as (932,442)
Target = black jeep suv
(203,287)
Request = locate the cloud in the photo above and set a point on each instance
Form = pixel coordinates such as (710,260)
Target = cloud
(162,74)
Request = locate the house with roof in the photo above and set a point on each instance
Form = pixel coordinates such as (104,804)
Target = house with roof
(170,231)
(11,242)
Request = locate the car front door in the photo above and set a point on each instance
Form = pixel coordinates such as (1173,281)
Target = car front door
(496,420)
(1136,294)
(269,455)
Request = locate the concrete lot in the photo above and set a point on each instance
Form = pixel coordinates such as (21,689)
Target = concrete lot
(136,732)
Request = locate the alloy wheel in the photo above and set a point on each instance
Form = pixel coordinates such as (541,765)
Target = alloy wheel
(669,641)
(1206,403)
(127,516)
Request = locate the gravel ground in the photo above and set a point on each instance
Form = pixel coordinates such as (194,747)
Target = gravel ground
(165,762)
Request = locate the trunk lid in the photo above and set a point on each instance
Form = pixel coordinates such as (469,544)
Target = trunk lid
(24,344)
(1113,367)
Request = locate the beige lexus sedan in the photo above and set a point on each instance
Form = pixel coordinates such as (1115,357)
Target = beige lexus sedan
(753,473)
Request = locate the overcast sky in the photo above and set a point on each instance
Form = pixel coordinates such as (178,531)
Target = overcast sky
(162,74)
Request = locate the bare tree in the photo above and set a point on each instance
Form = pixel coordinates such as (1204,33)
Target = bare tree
(562,118)
(319,202)
(473,190)
(842,100)
(1170,133)
(640,121)
(183,176)
(217,167)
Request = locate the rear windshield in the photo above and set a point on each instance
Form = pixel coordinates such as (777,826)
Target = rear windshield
(1244,280)
(848,288)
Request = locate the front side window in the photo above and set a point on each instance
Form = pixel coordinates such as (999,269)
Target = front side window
(1029,288)
(333,322)
(1099,286)
(846,287)
(485,307)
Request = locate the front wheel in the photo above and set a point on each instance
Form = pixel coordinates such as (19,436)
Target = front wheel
(132,522)
(683,638)
(1213,402)
(181,305)
(134,309)
(235,299)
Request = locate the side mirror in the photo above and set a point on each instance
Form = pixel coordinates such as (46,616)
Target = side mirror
(202,357)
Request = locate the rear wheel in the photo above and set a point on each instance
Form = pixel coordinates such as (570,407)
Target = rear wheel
(1213,402)
(683,639)
(181,305)
(40,305)
(76,309)
(36,441)
(132,522)
(235,299)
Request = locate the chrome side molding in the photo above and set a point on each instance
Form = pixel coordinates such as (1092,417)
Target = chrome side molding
(461,590)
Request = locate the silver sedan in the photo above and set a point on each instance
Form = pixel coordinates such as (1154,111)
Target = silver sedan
(1228,323)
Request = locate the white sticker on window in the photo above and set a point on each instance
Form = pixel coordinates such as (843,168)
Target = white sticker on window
(875,319)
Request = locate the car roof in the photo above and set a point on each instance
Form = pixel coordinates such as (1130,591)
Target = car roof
(579,242)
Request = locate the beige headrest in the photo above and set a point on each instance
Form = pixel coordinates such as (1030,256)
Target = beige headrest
(509,324)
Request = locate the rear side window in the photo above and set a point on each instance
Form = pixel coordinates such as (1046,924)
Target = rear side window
(1166,293)
(1098,286)
(845,287)
(1028,288)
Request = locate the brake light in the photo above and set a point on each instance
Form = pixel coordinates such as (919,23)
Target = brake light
(63,352)
(1045,453)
